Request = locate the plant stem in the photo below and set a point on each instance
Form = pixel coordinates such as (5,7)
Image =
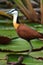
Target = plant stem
(5,14)
(41,3)
(23,9)
(26,12)
(32,11)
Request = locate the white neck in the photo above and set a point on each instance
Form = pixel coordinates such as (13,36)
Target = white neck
(15,18)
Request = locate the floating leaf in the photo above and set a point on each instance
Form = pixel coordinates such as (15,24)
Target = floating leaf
(28,60)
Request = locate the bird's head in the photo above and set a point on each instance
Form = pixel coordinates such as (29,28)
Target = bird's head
(13,12)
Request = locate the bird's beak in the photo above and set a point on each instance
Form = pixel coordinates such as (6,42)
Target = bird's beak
(8,12)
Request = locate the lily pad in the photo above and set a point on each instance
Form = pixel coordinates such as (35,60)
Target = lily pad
(37,54)
(3,58)
(28,60)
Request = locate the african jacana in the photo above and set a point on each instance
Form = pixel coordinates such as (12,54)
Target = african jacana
(23,30)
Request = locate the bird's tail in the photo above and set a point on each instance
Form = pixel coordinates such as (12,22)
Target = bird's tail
(41,37)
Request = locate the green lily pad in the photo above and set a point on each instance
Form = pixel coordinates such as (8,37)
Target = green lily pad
(3,58)
(37,43)
(21,45)
(8,33)
(16,45)
(28,60)
(3,62)
(37,54)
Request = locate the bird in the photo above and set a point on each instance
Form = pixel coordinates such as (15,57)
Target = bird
(25,32)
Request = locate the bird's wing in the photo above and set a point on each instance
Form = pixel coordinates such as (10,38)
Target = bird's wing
(26,32)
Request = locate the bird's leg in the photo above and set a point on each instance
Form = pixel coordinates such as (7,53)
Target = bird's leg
(31,47)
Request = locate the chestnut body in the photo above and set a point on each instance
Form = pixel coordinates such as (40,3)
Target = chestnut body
(27,33)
